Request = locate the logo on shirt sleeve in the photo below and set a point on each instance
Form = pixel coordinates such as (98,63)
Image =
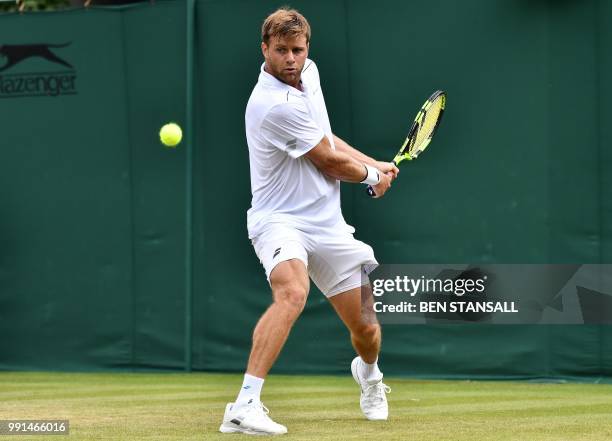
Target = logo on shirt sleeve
(291,144)
(276,252)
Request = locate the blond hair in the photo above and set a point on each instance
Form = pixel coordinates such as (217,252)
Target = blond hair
(285,22)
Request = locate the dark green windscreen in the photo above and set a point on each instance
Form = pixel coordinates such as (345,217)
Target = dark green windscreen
(92,207)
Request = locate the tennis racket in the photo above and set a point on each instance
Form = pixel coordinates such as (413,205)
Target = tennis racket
(422,130)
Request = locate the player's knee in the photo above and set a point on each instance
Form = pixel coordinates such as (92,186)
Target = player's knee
(368,331)
(291,297)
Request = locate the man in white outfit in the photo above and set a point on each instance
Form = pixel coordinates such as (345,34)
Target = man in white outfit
(295,221)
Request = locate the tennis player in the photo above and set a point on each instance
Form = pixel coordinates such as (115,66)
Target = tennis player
(295,221)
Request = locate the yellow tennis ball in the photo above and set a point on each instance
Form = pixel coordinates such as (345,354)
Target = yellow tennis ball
(170,134)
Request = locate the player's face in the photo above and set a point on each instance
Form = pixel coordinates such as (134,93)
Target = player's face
(285,58)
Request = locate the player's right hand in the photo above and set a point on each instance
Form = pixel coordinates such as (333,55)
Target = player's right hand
(388,167)
(385,183)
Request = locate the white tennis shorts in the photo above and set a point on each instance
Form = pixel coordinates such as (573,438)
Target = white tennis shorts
(333,258)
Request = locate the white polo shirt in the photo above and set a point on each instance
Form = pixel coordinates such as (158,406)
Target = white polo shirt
(282,124)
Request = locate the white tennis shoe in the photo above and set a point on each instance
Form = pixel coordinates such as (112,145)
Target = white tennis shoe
(373,399)
(251,419)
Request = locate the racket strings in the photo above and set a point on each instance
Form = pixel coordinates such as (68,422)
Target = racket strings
(427,125)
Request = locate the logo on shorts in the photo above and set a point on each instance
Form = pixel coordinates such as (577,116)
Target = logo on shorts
(276,252)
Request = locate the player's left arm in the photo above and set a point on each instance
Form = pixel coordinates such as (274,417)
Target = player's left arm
(385,167)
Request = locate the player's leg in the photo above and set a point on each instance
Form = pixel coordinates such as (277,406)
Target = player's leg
(354,306)
(336,268)
(355,309)
(284,258)
(290,286)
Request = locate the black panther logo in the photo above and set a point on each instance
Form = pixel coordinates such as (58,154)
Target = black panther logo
(15,53)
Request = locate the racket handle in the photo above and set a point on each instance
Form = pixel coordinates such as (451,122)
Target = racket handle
(370,191)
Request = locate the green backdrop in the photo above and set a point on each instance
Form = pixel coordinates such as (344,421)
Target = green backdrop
(92,208)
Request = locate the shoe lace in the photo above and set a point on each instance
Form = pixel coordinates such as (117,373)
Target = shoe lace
(259,407)
(374,394)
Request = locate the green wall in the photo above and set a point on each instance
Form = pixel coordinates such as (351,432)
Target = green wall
(92,208)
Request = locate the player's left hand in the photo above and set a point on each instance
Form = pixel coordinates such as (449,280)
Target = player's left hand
(388,168)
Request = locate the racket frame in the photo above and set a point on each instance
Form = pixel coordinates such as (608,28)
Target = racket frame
(404,151)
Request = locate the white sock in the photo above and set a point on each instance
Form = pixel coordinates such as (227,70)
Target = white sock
(250,390)
(370,372)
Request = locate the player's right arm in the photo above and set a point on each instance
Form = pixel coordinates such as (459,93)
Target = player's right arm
(341,166)
(289,127)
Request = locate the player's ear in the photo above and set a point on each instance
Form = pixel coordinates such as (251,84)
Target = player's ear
(264,49)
